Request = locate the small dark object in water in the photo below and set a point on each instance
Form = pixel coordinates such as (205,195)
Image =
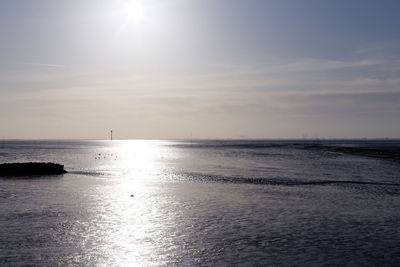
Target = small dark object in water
(31,168)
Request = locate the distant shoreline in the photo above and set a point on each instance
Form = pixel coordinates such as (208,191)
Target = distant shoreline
(214,139)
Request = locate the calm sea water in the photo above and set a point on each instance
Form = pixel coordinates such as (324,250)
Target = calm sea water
(201,203)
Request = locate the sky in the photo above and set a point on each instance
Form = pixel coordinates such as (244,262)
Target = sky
(172,69)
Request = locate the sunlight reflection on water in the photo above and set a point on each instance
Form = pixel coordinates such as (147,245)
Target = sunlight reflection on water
(135,159)
(132,213)
(139,155)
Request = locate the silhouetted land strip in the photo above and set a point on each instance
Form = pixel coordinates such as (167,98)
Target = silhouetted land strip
(31,168)
(368,152)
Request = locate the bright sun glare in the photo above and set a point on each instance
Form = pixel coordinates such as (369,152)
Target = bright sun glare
(134,11)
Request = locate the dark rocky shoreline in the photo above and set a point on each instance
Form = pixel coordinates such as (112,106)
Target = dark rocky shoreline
(31,168)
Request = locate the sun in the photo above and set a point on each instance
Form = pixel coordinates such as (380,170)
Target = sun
(134,11)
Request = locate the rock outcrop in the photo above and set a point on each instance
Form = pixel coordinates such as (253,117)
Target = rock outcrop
(31,168)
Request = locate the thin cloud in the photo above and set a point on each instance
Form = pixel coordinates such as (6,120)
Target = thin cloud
(46,65)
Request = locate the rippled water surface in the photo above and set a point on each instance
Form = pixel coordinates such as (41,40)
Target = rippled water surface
(163,203)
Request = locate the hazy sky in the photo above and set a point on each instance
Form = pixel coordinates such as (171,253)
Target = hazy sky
(213,68)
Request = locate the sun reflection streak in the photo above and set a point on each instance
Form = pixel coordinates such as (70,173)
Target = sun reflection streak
(140,154)
(131,214)
(139,157)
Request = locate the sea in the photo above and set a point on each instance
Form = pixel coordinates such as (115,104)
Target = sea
(201,203)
